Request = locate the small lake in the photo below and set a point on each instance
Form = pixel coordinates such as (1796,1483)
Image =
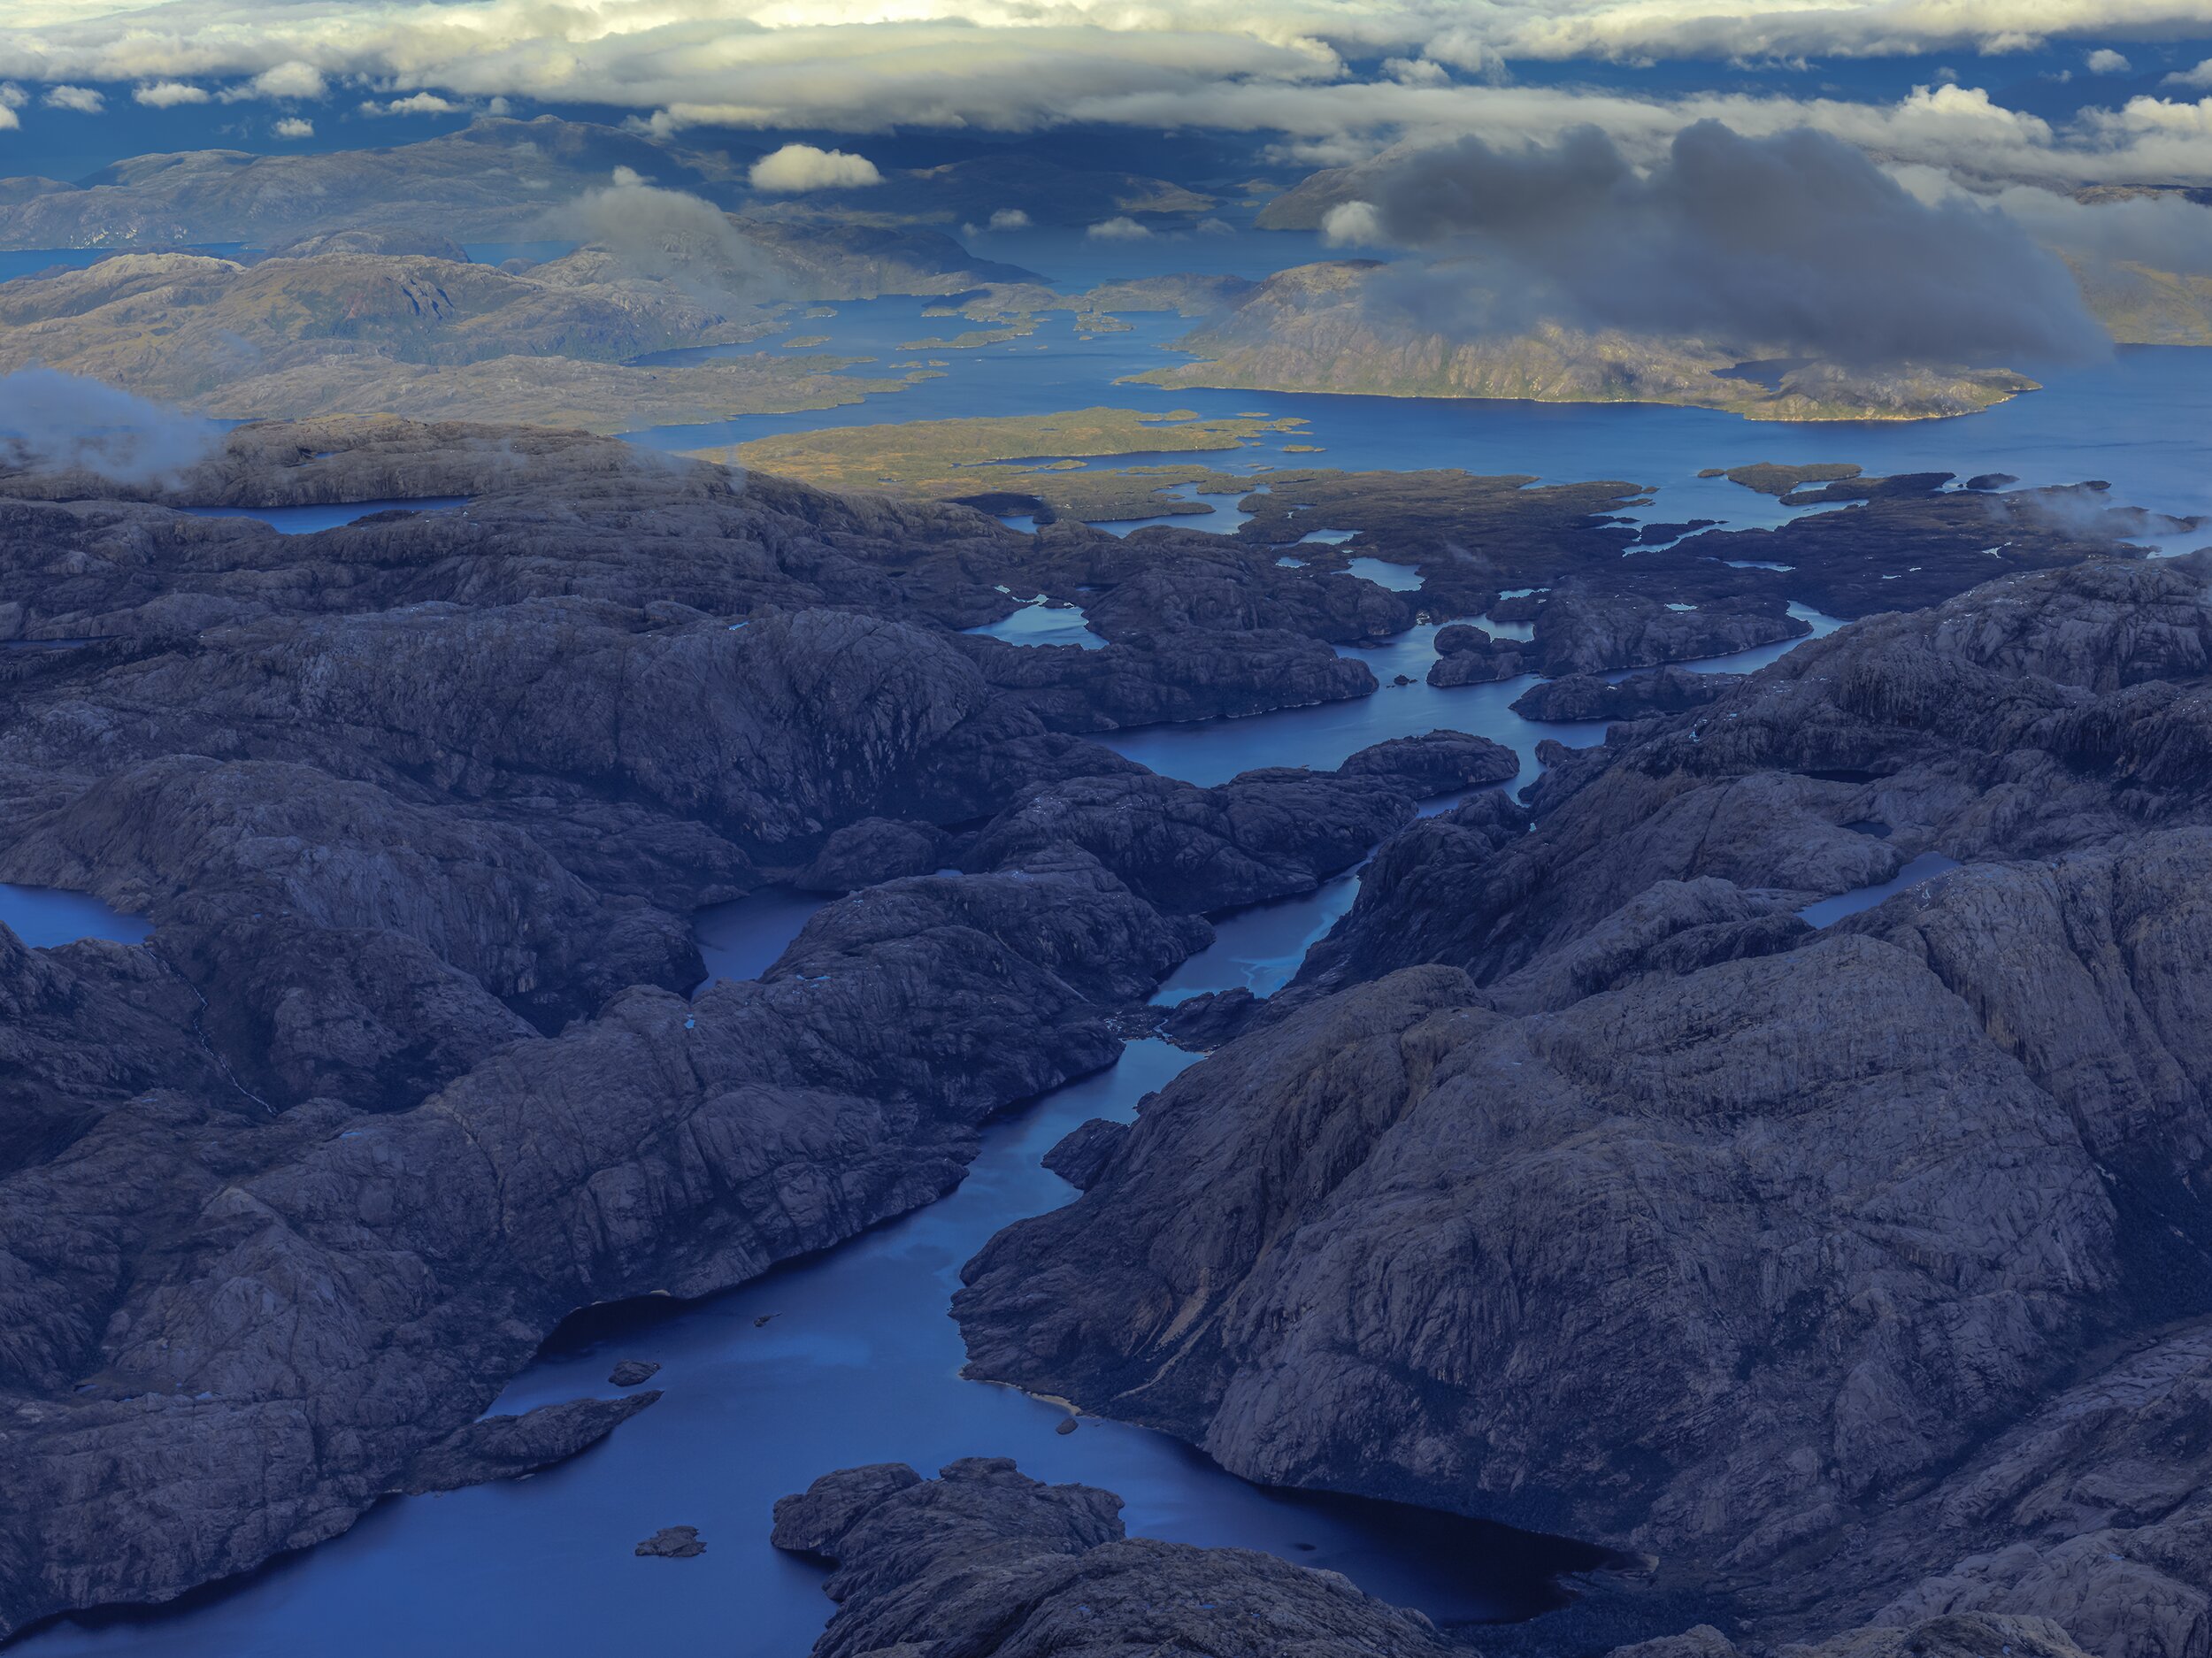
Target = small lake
(741,940)
(1926,867)
(330,516)
(44,916)
(1040,622)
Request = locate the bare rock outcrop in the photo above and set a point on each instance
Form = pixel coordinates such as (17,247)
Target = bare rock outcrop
(984,1560)
(1854,1272)
(405,1072)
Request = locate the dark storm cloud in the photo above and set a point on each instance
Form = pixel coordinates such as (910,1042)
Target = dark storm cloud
(1795,241)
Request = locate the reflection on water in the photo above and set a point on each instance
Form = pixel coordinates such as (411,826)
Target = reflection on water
(43,916)
(1040,622)
(741,940)
(1927,867)
(1214,751)
(1259,946)
(1397,578)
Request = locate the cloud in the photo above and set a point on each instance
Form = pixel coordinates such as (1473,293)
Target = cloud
(981,62)
(1353,225)
(1118,229)
(2164,232)
(293,79)
(1794,242)
(294,126)
(84,100)
(1008,219)
(2201,76)
(417,104)
(803,167)
(165,95)
(1302,68)
(2105,61)
(637,230)
(51,421)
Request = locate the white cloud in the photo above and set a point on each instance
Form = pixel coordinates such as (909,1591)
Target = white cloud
(294,126)
(9,119)
(803,167)
(293,79)
(417,104)
(1352,225)
(1121,229)
(1277,66)
(1001,64)
(2201,76)
(12,96)
(2105,61)
(1417,72)
(1010,218)
(84,100)
(164,94)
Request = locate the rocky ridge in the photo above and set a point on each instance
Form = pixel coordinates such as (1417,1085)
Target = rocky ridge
(984,1560)
(410,1067)
(1856,1273)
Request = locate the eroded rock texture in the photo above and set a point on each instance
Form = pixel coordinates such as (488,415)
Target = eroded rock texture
(1858,1273)
(985,1562)
(409,1069)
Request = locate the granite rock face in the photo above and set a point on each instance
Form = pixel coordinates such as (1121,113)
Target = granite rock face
(1587,696)
(1855,1273)
(1264,835)
(985,1560)
(420,807)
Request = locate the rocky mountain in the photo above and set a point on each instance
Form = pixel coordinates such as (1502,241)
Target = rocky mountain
(416,1061)
(982,1559)
(1338,327)
(500,179)
(409,1069)
(494,180)
(1855,1272)
(362,320)
(180,328)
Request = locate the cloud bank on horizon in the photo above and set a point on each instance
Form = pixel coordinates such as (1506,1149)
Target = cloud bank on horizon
(1336,77)
(1795,243)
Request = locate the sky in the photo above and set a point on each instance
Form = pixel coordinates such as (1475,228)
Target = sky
(2056,92)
